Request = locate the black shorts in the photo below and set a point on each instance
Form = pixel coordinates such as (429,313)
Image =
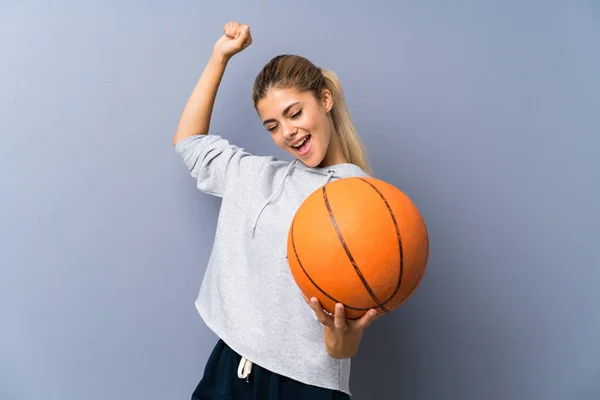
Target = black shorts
(221,381)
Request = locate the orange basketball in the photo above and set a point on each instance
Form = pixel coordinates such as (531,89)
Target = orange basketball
(360,242)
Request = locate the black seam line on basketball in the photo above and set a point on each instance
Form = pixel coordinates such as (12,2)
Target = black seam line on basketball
(352,261)
(420,275)
(313,282)
(399,237)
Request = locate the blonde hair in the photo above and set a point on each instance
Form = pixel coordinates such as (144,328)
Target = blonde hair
(292,71)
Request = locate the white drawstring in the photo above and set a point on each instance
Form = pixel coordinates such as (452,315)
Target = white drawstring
(329,176)
(287,172)
(244,369)
(245,366)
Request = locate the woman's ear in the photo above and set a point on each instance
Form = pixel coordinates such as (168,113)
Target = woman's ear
(327,100)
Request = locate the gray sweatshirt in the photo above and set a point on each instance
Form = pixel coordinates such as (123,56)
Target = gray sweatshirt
(248,296)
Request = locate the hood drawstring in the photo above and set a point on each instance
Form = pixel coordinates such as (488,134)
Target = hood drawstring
(329,176)
(272,196)
(245,365)
(287,172)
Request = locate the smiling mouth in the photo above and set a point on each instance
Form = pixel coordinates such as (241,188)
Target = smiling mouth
(302,147)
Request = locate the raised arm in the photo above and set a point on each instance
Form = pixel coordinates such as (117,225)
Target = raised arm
(195,118)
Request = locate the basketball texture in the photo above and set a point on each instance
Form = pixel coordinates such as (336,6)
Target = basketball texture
(360,242)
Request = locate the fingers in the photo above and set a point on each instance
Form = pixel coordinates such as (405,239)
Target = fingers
(244,38)
(321,316)
(368,318)
(231,29)
(234,30)
(239,33)
(339,320)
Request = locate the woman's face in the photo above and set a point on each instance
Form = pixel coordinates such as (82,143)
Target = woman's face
(300,124)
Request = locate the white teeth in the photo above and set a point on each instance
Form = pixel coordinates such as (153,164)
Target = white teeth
(300,143)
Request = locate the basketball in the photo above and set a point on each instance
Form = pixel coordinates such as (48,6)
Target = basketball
(360,242)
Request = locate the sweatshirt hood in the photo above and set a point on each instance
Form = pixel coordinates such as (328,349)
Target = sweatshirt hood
(334,171)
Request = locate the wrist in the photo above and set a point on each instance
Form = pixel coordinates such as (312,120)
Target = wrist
(219,59)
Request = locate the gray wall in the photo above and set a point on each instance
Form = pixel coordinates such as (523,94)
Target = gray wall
(485,114)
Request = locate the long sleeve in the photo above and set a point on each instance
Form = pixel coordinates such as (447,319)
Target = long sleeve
(215,163)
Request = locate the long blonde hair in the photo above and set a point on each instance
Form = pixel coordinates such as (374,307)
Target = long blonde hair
(292,71)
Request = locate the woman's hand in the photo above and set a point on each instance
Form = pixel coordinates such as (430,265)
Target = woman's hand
(236,38)
(342,336)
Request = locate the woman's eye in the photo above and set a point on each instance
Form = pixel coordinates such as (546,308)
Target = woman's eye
(271,128)
(297,114)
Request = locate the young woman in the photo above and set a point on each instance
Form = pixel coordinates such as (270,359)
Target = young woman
(272,346)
